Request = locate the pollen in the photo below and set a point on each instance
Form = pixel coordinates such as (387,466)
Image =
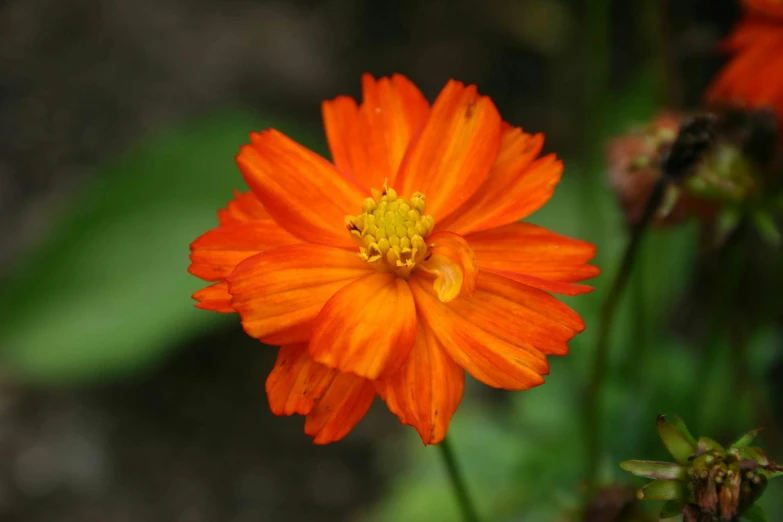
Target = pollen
(391,230)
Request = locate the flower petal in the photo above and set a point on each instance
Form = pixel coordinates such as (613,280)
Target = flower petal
(427,390)
(518,185)
(451,260)
(767,8)
(214,255)
(370,141)
(342,406)
(296,382)
(244,207)
(245,229)
(554,287)
(215,298)
(367,328)
(346,133)
(303,192)
(468,336)
(278,293)
(455,151)
(753,77)
(520,314)
(535,256)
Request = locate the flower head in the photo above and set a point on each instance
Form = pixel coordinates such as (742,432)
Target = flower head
(635,165)
(399,266)
(754,75)
(712,165)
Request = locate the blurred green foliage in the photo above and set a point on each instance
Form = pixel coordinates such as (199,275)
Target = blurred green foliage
(107,291)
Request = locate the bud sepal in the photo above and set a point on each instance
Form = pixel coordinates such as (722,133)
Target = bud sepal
(707,481)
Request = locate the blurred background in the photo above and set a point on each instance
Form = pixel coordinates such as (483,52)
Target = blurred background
(119,120)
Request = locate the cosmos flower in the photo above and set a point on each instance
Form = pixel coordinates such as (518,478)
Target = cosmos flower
(399,266)
(754,75)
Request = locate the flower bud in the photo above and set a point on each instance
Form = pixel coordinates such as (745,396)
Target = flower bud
(707,481)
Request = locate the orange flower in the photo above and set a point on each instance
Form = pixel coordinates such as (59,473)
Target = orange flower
(370,287)
(754,75)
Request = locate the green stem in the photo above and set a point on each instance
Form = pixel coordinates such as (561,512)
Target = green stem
(723,321)
(469,513)
(747,383)
(727,276)
(655,19)
(595,385)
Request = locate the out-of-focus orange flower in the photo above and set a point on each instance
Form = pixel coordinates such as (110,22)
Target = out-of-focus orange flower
(635,163)
(754,75)
(372,289)
(634,166)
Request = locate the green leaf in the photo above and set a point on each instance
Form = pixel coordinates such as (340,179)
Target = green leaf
(728,220)
(752,453)
(754,514)
(765,224)
(654,470)
(672,508)
(706,444)
(108,291)
(746,439)
(662,490)
(677,439)
(774,471)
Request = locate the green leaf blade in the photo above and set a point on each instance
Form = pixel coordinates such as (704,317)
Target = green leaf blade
(107,292)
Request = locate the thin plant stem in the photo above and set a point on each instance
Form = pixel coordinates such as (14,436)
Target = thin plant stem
(735,327)
(593,412)
(597,48)
(722,298)
(746,382)
(466,505)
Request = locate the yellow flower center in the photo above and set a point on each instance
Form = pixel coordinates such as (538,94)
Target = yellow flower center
(391,231)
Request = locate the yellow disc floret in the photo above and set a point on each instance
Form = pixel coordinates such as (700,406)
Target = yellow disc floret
(391,231)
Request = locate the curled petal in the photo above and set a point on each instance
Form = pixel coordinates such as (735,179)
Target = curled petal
(296,382)
(455,151)
(451,260)
(304,193)
(215,298)
(279,293)
(367,328)
(427,390)
(518,185)
(340,408)
(369,141)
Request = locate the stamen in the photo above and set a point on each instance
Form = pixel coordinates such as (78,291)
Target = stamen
(391,230)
